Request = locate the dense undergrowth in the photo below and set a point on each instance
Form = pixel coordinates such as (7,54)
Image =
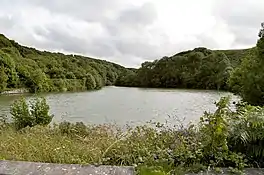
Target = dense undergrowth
(229,137)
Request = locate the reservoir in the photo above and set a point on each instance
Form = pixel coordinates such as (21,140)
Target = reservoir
(123,105)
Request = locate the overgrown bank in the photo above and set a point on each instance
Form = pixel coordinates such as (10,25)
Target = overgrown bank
(225,138)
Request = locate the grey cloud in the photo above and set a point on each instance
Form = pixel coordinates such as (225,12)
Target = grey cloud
(243,18)
(7,23)
(128,32)
(11,27)
(144,15)
(241,13)
(247,36)
(103,48)
(125,29)
(134,19)
(138,48)
(60,39)
(126,36)
(115,42)
(206,41)
(88,10)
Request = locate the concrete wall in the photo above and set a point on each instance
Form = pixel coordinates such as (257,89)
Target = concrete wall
(34,168)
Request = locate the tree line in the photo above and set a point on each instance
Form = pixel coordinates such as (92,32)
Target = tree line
(200,68)
(238,71)
(41,71)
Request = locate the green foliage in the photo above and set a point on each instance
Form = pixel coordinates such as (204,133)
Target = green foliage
(151,171)
(246,135)
(39,71)
(3,79)
(128,79)
(198,69)
(70,75)
(4,42)
(40,112)
(44,71)
(90,82)
(21,115)
(215,133)
(38,81)
(24,115)
(236,56)
(248,79)
(6,60)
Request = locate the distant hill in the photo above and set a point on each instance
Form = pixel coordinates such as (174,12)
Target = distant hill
(42,71)
(235,55)
(200,68)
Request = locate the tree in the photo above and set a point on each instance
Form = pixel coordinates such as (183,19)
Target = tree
(252,79)
(13,78)
(6,60)
(38,81)
(90,82)
(45,71)
(260,43)
(215,71)
(261,32)
(3,79)
(199,68)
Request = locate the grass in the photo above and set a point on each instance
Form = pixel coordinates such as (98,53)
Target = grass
(221,139)
(143,147)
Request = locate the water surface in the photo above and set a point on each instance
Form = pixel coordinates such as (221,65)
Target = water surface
(126,105)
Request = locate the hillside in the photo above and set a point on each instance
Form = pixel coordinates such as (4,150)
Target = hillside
(199,68)
(41,71)
(236,56)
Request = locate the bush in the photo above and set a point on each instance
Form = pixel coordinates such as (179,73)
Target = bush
(24,115)
(214,131)
(246,134)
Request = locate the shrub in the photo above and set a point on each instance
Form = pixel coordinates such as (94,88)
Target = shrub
(24,115)
(214,130)
(70,129)
(246,134)
(40,111)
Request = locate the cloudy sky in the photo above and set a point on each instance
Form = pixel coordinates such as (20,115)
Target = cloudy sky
(130,32)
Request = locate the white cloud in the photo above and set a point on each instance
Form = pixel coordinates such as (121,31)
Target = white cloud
(132,31)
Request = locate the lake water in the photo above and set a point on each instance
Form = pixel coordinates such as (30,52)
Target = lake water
(126,105)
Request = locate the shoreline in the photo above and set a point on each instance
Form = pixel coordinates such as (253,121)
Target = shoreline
(15,91)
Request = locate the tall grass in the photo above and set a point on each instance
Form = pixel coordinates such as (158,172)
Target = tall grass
(224,138)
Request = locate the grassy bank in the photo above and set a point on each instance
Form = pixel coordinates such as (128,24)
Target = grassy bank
(224,138)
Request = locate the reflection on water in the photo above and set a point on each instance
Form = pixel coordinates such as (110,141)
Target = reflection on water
(126,105)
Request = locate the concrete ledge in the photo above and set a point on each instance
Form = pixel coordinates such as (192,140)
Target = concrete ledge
(34,168)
